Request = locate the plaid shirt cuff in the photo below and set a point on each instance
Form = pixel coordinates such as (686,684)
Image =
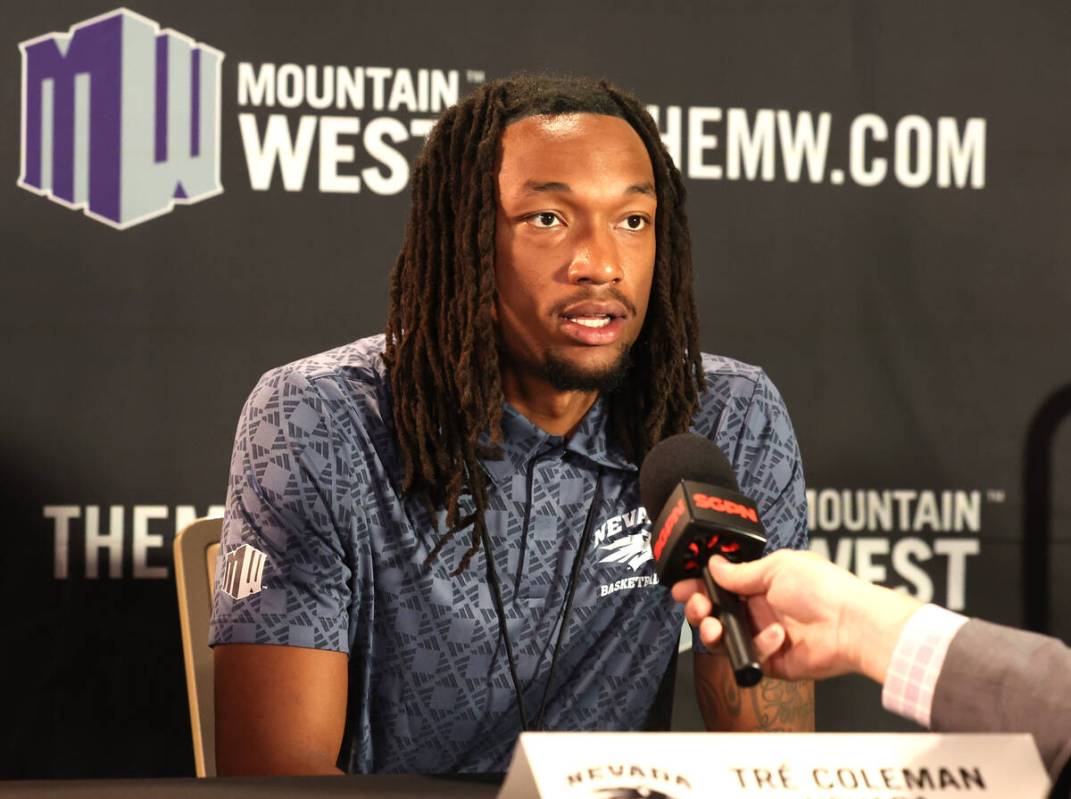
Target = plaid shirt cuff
(916,662)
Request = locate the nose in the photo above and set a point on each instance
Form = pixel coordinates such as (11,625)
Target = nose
(596,259)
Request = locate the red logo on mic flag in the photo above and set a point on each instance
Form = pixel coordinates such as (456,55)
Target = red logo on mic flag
(667,528)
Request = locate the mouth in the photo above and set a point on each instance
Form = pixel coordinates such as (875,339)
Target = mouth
(594,323)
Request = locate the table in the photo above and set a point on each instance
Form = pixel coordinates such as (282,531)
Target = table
(403,786)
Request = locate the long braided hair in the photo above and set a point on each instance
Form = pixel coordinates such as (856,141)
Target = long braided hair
(441,345)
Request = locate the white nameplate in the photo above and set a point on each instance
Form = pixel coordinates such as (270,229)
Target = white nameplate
(775,765)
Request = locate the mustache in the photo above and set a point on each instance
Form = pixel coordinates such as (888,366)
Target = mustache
(597,295)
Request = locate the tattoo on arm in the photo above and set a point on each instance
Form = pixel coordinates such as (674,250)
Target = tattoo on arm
(720,697)
(783,706)
(772,705)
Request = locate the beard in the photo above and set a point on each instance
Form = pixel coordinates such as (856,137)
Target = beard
(566,376)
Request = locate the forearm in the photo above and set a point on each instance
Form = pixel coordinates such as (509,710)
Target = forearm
(771,706)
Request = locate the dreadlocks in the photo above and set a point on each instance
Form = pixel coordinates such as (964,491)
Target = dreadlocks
(441,344)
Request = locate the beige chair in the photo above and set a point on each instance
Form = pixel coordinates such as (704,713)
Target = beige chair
(196,547)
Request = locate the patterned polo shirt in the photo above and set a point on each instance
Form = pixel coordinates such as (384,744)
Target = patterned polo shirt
(320,549)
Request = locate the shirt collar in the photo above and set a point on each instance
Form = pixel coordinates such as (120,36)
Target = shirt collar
(523,440)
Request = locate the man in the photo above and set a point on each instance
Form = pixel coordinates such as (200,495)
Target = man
(454,546)
(938,668)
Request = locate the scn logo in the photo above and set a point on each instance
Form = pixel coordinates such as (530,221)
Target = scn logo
(120,118)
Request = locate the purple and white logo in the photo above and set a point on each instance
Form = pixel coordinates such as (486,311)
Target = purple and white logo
(120,118)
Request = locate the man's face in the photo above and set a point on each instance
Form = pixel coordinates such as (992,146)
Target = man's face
(574,248)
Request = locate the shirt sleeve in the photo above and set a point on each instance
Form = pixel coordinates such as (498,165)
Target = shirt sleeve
(283,574)
(916,662)
(769,468)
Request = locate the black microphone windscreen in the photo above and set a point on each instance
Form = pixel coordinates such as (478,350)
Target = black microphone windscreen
(685,456)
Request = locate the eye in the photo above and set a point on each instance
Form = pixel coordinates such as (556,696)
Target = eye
(635,222)
(545,220)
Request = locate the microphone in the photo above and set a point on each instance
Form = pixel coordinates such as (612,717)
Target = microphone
(689,483)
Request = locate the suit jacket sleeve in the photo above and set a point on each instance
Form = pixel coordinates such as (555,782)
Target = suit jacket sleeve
(996,679)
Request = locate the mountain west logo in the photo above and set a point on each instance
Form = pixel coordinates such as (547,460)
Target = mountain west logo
(120,118)
(242,571)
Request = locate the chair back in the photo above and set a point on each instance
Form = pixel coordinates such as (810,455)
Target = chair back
(196,548)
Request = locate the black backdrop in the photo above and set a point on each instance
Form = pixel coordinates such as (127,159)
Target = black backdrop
(914,330)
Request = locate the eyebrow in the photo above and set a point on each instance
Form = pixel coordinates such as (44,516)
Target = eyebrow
(536,186)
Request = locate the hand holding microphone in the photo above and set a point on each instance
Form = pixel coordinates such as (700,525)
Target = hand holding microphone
(814,619)
(688,488)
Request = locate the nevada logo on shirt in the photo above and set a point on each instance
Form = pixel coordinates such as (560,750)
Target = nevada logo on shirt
(626,540)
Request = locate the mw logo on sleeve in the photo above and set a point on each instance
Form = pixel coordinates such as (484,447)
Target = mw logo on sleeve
(242,571)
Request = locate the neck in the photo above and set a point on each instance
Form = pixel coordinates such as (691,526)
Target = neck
(557,412)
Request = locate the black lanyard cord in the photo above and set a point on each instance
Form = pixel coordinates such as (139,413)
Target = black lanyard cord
(563,614)
(496,595)
(574,579)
